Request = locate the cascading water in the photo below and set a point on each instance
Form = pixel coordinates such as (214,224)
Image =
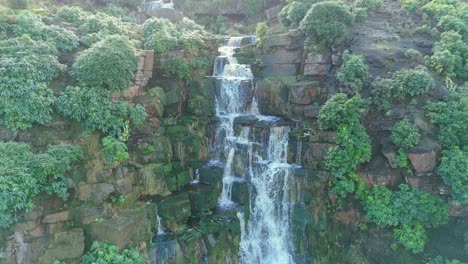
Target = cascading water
(253,154)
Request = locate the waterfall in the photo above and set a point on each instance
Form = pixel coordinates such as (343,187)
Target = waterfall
(255,155)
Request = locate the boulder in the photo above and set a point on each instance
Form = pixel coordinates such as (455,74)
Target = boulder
(389,152)
(280,70)
(282,56)
(57,217)
(127,227)
(65,246)
(89,214)
(423,162)
(95,192)
(316,69)
(175,211)
(303,93)
(203,198)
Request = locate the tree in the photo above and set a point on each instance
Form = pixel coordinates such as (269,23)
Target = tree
(353,73)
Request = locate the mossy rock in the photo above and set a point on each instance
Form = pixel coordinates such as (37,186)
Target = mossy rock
(175,208)
(202,199)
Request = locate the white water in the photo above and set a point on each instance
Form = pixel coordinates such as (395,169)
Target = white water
(265,230)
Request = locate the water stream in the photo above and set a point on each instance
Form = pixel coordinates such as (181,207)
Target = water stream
(254,153)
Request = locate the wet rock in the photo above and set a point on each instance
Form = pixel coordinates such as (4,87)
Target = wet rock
(203,198)
(127,227)
(212,175)
(166,251)
(65,246)
(175,210)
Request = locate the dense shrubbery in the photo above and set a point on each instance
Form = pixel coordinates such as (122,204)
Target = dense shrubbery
(109,63)
(295,11)
(409,210)
(450,55)
(115,151)
(454,171)
(178,68)
(404,135)
(32,25)
(103,252)
(327,22)
(26,66)
(404,84)
(370,5)
(340,110)
(23,175)
(95,111)
(353,73)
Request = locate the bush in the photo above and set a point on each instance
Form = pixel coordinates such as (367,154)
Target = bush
(412,82)
(115,151)
(103,252)
(371,5)
(354,147)
(109,63)
(339,110)
(160,35)
(382,93)
(104,24)
(95,111)
(451,116)
(404,135)
(455,24)
(18,4)
(24,103)
(73,14)
(411,237)
(450,56)
(454,171)
(23,175)
(32,25)
(327,22)
(297,11)
(283,16)
(354,72)
(178,68)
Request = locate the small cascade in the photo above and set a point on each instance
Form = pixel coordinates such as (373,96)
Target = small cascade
(161,230)
(197,177)
(253,149)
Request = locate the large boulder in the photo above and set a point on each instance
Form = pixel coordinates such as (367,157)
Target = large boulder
(175,210)
(423,157)
(65,246)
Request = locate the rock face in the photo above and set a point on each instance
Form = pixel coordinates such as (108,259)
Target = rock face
(65,246)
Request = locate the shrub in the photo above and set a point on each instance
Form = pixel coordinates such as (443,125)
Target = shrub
(18,4)
(339,110)
(297,11)
(327,22)
(283,16)
(32,25)
(115,151)
(178,68)
(95,111)
(160,35)
(354,72)
(371,5)
(455,24)
(104,24)
(404,135)
(454,171)
(109,63)
(412,82)
(382,93)
(24,103)
(23,175)
(450,56)
(73,14)
(103,252)
(451,116)
(261,30)
(411,237)
(353,148)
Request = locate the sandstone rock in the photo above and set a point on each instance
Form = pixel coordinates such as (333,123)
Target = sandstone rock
(280,70)
(124,185)
(89,214)
(273,12)
(423,162)
(389,152)
(282,56)
(57,217)
(97,174)
(127,227)
(176,207)
(316,69)
(67,245)
(303,93)
(95,192)
(318,58)
(281,40)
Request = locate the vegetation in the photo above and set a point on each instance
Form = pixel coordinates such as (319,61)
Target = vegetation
(178,68)
(353,73)
(454,171)
(327,23)
(404,135)
(109,63)
(103,252)
(341,110)
(23,175)
(450,55)
(18,4)
(114,150)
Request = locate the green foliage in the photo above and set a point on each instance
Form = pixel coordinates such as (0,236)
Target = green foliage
(382,93)
(95,111)
(115,151)
(32,25)
(23,175)
(455,24)
(451,116)
(104,252)
(283,16)
(412,82)
(24,103)
(340,110)
(354,72)
(450,56)
(371,5)
(411,237)
(109,63)
(261,30)
(402,160)
(327,22)
(354,148)
(442,260)
(410,210)
(18,4)
(404,135)
(454,171)
(73,14)
(439,8)
(297,11)
(178,68)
